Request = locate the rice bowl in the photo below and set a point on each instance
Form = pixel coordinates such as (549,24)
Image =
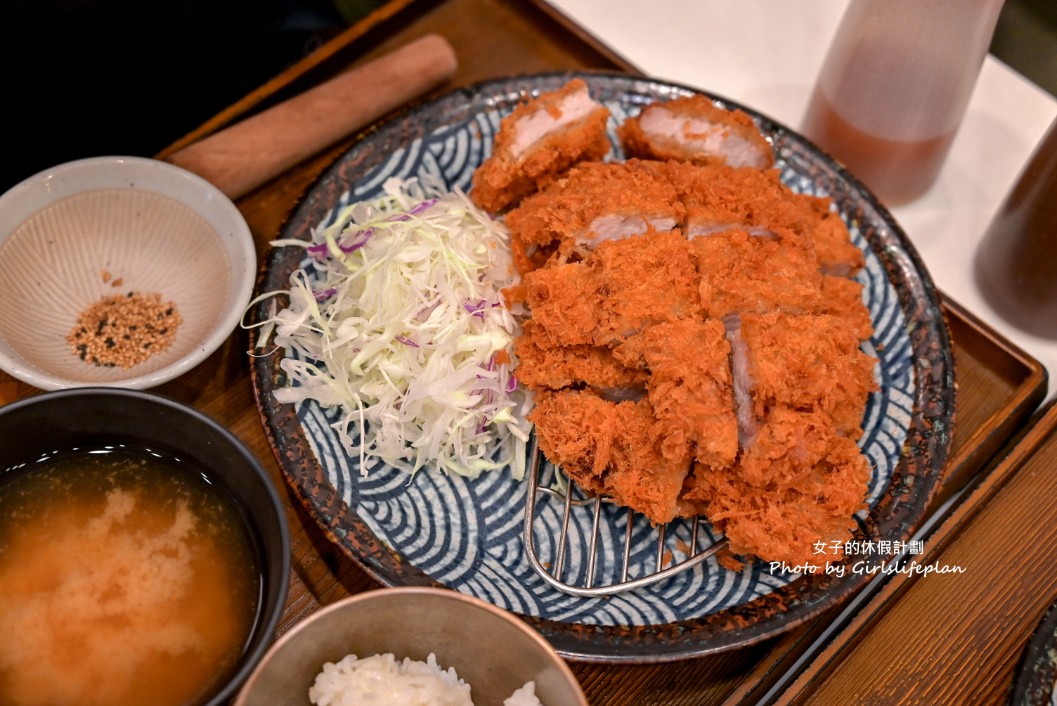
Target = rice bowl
(451,636)
(381,680)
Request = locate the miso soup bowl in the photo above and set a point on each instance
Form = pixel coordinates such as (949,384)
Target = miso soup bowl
(53,422)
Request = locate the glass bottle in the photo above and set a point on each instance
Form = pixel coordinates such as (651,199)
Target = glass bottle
(894,87)
(1016,262)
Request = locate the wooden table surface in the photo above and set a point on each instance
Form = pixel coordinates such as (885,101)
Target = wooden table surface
(999,387)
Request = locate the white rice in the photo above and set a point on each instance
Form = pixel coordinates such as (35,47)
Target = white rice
(525,696)
(380,680)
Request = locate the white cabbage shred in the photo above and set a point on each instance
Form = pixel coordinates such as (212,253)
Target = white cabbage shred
(398,319)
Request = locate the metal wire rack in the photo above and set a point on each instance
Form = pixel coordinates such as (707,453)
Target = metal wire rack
(616,578)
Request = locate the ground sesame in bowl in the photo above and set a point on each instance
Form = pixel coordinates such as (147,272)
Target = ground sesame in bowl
(124,330)
(118,271)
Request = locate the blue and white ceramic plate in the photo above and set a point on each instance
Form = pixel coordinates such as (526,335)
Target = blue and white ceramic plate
(1035,683)
(466,535)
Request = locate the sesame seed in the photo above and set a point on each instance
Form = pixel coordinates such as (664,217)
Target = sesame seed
(119,330)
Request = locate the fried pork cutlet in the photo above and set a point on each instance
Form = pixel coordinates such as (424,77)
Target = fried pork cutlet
(694,129)
(808,362)
(592,203)
(645,280)
(837,255)
(793,494)
(620,289)
(721,197)
(610,449)
(690,388)
(537,142)
(741,272)
(843,298)
(566,303)
(543,367)
(687,310)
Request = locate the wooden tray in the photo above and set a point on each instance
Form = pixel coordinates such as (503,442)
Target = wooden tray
(998,385)
(956,637)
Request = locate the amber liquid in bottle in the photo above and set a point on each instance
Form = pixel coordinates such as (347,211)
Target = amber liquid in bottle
(896,171)
(894,87)
(1016,263)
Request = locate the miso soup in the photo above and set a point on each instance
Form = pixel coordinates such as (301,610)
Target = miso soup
(126,578)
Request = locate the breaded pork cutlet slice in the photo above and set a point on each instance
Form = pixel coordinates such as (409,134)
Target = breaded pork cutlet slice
(694,129)
(592,203)
(538,141)
(543,367)
(720,198)
(836,254)
(610,449)
(577,430)
(690,388)
(645,280)
(741,272)
(843,297)
(565,302)
(793,495)
(808,362)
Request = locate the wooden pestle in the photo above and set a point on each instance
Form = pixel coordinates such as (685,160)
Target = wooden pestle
(240,158)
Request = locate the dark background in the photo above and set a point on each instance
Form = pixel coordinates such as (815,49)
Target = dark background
(91,77)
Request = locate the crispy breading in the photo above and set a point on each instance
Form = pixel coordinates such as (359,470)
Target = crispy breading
(566,303)
(793,495)
(577,431)
(843,298)
(694,129)
(610,449)
(645,280)
(642,476)
(720,197)
(689,386)
(594,202)
(742,272)
(554,367)
(808,362)
(836,254)
(621,288)
(539,141)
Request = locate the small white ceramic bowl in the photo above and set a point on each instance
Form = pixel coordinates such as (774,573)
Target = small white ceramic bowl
(97,227)
(490,649)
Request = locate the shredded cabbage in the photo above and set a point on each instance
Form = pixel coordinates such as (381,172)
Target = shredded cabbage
(397,318)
